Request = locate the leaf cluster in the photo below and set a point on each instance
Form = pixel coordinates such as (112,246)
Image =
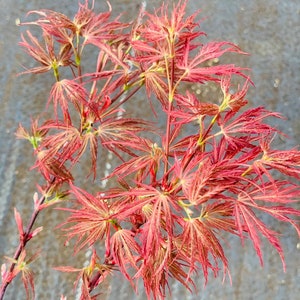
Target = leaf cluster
(209,169)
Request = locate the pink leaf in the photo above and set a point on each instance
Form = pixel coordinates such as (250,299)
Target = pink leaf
(19,225)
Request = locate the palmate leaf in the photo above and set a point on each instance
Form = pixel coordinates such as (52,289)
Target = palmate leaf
(90,222)
(173,265)
(251,199)
(65,92)
(44,53)
(146,162)
(247,221)
(236,100)
(155,84)
(189,109)
(219,216)
(243,130)
(272,193)
(213,50)
(68,144)
(21,266)
(145,52)
(116,55)
(285,161)
(153,238)
(198,244)
(209,180)
(159,224)
(118,134)
(205,74)
(89,276)
(178,269)
(195,70)
(124,251)
(98,27)
(49,166)
(154,272)
(161,216)
(249,122)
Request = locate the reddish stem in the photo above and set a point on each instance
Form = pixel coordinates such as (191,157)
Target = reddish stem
(26,238)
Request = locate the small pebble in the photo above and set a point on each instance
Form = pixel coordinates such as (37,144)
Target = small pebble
(276,83)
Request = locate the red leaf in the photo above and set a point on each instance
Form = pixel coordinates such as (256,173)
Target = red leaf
(249,222)
(197,243)
(92,219)
(124,251)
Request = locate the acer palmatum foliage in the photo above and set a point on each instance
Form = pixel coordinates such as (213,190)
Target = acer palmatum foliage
(180,186)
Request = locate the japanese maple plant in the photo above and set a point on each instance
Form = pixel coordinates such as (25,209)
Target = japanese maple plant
(191,171)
